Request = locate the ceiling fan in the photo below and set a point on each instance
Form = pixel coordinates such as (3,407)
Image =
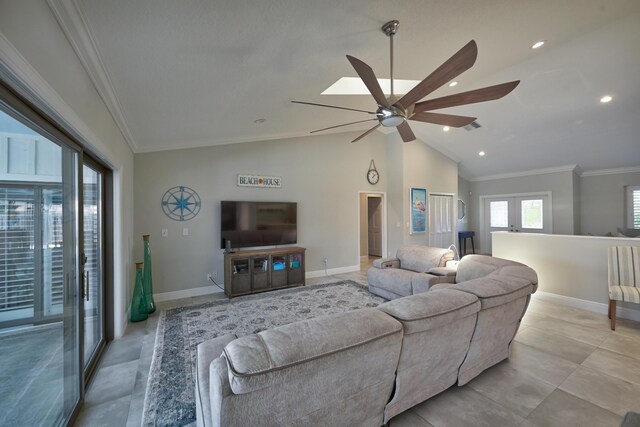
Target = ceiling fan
(394,112)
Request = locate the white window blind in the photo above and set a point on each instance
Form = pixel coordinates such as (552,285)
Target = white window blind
(633,206)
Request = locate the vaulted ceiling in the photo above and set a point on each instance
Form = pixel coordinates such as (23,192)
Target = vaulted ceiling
(180,74)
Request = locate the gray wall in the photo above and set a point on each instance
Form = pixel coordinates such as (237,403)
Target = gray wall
(426,168)
(602,202)
(593,203)
(561,185)
(323,174)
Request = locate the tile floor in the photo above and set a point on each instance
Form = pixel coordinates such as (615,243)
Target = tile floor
(567,368)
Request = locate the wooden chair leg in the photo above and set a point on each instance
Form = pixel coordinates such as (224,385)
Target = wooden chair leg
(609,312)
(612,308)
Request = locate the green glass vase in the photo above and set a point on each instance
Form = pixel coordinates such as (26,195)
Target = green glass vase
(138,302)
(147,281)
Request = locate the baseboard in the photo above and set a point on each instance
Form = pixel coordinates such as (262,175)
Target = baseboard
(186,293)
(596,307)
(332,271)
(206,290)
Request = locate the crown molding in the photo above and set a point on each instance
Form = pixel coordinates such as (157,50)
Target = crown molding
(567,168)
(74,25)
(617,171)
(26,81)
(214,143)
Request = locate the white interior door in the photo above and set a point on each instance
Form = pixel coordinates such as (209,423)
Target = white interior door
(516,213)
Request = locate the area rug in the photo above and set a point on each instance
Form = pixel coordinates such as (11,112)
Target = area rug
(170,395)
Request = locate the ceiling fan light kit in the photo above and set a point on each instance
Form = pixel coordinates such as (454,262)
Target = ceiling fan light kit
(394,112)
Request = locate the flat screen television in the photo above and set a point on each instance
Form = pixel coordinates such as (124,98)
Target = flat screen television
(248,224)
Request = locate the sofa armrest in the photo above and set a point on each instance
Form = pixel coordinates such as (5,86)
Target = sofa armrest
(423,282)
(443,271)
(209,353)
(386,263)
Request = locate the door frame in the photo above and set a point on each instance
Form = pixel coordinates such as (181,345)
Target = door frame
(89,368)
(484,232)
(383,195)
(23,103)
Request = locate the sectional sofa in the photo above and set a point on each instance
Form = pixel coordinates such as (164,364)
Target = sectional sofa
(363,367)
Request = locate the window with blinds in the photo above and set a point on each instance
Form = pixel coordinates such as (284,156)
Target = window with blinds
(633,206)
(31,272)
(17,245)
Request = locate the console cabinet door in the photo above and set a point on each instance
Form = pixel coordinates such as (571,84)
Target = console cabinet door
(260,273)
(296,269)
(241,276)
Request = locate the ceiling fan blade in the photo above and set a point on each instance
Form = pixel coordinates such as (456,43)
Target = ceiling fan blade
(345,124)
(479,95)
(333,106)
(405,132)
(367,132)
(369,79)
(460,62)
(443,119)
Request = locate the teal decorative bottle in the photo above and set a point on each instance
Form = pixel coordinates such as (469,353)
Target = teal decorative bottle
(138,302)
(147,282)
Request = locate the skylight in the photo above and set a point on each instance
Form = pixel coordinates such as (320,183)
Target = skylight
(355,86)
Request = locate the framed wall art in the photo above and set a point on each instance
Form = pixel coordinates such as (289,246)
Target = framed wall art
(418,209)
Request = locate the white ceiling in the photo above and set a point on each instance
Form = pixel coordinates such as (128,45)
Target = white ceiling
(199,72)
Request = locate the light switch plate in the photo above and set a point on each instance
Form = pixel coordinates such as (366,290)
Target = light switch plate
(185,231)
(165,232)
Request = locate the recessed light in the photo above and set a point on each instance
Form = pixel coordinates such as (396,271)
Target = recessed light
(482,153)
(606,98)
(452,84)
(537,44)
(259,121)
(446,129)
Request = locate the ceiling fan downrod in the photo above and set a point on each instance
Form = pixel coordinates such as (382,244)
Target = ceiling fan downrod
(390,29)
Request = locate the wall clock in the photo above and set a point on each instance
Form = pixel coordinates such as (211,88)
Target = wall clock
(181,203)
(373,176)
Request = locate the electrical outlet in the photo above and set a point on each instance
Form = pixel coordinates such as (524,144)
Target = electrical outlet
(215,274)
(209,276)
(325,261)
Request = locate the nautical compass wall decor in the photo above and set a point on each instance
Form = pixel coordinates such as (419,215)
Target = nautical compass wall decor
(181,203)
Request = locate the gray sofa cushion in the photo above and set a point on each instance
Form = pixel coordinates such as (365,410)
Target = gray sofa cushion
(443,271)
(421,258)
(438,326)
(495,290)
(430,310)
(475,266)
(395,280)
(207,352)
(261,360)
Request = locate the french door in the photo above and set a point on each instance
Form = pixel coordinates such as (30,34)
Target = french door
(529,213)
(51,268)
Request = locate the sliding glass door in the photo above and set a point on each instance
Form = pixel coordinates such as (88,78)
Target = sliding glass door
(92,261)
(40,358)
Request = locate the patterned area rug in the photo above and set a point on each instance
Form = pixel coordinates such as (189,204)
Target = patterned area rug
(170,396)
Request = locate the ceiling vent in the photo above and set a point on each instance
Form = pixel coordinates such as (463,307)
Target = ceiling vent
(473,125)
